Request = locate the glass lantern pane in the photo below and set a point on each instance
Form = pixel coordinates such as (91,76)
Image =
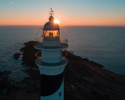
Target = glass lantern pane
(51,33)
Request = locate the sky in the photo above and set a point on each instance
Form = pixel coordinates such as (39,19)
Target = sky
(69,12)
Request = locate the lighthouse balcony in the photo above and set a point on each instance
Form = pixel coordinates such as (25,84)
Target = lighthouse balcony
(51,68)
(40,46)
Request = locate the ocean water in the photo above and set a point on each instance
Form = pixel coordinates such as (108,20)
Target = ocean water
(104,45)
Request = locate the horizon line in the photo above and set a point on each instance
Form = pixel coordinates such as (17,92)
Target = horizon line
(73,25)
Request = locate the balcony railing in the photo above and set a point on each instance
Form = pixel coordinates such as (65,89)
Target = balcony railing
(65,41)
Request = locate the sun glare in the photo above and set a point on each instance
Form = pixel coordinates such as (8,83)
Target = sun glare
(56,21)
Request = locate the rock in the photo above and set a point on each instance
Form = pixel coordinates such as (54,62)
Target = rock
(96,64)
(16,55)
(84,79)
(29,53)
(34,74)
(4,84)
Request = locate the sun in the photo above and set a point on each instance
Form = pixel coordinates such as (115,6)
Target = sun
(56,21)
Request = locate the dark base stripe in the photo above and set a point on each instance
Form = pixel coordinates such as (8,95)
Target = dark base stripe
(50,84)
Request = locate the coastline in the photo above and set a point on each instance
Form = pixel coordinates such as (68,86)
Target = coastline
(84,80)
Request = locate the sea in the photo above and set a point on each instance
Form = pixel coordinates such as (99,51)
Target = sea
(102,44)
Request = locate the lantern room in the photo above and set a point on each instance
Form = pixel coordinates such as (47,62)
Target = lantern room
(51,29)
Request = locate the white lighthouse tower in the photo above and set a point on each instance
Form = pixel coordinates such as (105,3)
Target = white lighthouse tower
(51,64)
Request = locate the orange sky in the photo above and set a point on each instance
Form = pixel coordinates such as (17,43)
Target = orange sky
(81,12)
(37,20)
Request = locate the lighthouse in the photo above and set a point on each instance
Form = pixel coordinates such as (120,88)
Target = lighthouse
(51,63)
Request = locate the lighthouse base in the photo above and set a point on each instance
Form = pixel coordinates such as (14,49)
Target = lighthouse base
(58,95)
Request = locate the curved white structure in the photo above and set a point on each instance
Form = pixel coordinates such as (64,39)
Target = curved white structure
(51,64)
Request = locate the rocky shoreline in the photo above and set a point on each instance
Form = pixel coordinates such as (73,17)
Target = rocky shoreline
(84,80)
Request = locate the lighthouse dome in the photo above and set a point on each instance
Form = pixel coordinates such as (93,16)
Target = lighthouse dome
(50,25)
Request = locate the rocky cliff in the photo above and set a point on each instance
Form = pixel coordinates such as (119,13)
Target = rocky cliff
(84,80)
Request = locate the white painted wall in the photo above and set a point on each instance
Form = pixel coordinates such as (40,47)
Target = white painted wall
(51,56)
(50,43)
(50,70)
